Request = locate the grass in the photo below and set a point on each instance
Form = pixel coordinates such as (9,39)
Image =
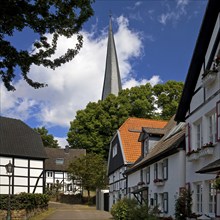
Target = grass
(43,215)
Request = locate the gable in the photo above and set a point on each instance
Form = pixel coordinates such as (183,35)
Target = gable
(59,159)
(205,34)
(130,132)
(115,159)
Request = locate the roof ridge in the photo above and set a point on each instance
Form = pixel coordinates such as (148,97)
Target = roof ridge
(146,119)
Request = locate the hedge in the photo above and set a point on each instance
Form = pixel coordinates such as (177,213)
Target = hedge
(25,201)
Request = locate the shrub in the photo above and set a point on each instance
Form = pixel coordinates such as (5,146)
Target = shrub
(26,201)
(128,209)
(183,205)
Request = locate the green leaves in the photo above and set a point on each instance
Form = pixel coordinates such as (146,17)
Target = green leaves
(90,169)
(48,139)
(59,18)
(94,126)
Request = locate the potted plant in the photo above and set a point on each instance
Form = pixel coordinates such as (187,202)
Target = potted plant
(209,75)
(217,183)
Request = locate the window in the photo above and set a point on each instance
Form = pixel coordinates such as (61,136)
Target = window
(165,169)
(49,174)
(212,128)
(155,199)
(59,161)
(165,202)
(141,176)
(188,137)
(155,171)
(114,150)
(148,175)
(218,120)
(212,198)
(199,198)
(198,135)
(146,146)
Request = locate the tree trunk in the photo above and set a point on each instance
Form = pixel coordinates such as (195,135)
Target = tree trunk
(88,196)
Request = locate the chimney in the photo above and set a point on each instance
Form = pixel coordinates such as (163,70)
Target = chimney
(66,149)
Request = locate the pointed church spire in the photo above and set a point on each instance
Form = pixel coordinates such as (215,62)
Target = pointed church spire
(112,80)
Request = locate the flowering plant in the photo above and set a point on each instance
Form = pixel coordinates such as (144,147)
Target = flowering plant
(217,183)
(158,180)
(210,144)
(193,151)
(214,68)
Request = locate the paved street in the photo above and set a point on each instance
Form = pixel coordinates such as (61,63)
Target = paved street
(79,212)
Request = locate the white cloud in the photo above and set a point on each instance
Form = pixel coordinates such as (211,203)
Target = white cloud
(173,15)
(61,141)
(133,82)
(76,83)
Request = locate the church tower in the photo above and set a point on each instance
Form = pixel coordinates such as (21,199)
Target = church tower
(112,80)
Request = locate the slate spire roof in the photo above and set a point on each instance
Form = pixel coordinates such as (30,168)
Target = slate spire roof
(112,80)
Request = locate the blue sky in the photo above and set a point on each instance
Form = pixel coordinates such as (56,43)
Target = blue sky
(154,39)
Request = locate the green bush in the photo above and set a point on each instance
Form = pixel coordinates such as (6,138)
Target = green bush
(26,201)
(183,205)
(128,209)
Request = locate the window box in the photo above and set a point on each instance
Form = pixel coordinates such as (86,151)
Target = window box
(193,155)
(208,78)
(159,182)
(207,149)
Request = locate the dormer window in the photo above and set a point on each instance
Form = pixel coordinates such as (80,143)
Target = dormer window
(114,150)
(146,146)
(59,161)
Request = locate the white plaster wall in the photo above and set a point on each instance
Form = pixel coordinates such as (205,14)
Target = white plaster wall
(35,172)
(20,176)
(191,167)
(20,171)
(21,162)
(36,164)
(176,179)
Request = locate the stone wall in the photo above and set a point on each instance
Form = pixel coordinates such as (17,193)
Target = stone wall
(20,214)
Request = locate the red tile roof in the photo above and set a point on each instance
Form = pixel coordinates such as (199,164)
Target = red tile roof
(129,134)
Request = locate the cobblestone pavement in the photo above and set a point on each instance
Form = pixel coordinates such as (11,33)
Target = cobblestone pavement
(79,212)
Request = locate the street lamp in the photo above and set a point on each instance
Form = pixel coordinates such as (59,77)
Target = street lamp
(9,170)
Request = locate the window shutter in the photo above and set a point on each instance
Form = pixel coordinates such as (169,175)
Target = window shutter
(155,199)
(188,137)
(148,175)
(165,202)
(165,169)
(155,171)
(218,120)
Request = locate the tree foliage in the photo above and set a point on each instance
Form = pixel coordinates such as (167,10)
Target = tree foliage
(168,96)
(48,139)
(56,17)
(93,127)
(90,169)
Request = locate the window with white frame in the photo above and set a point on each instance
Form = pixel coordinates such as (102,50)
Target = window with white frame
(165,169)
(165,202)
(199,198)
(155,199)
(212,128)
(115,150)
(155,171)
(49,174)
(212,198)
(148,175)
(59,161)
(198,130)
(146,146)
(141,176)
